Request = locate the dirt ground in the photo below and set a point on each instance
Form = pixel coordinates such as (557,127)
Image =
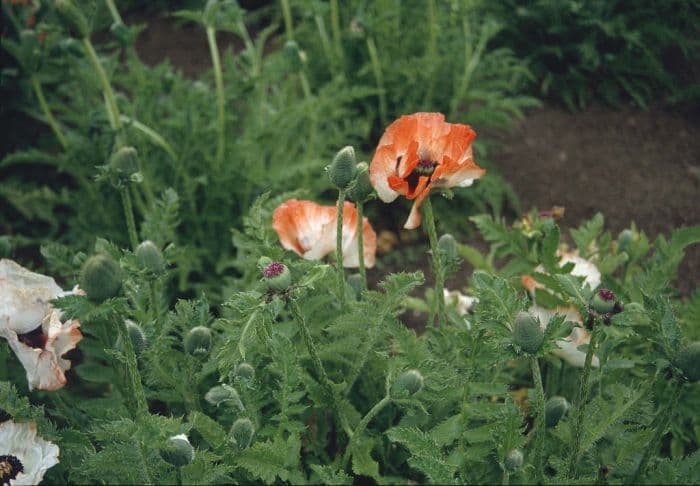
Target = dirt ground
(629,164)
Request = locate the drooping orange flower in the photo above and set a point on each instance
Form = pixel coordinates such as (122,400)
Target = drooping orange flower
(309,229)
(421,151)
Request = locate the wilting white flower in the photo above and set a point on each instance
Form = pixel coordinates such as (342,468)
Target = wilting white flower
(33,328)
(24,457)
(582,268)
(462,303)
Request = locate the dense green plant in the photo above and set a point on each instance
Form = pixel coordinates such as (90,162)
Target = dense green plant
(585,51)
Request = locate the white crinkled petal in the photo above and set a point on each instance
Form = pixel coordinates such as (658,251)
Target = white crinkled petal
(36,454)
(568,347)
(582,268)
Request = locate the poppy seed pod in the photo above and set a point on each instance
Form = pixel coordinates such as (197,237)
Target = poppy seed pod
(277,276)
(198,340)
(448,246)
(514,459)
(527,333)
(177,451)
(554,410)
(242,431)
(343,169)
(72,18)
(101,278)
(124,162)
(149,257)
(361,189)
(137,336)
(223,393)
(688,360)
(408,383)
(245,371)
(603,301)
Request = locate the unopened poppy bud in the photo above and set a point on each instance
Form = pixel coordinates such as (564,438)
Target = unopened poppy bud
(124,162)
(554,410)
(242,431)
(73,18)
(355,282)
(688,360)
(277,276)
(603,301)
(408,383)
(263,262)
(295,56)
(137,336)
(625,239)
(343,168)
(100,278)
(527,333)
(514,459)
(177,451)
(149,257)
(448,247)
(198,340)
(245,371)
(223,394)
(361,189)
(71,47)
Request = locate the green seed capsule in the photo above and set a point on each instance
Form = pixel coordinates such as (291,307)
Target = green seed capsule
(177,451)
(408,383)
(688,360)
(554,410)
(361,189)
(603,301)
(527,333)
(277,276)
(198,340)
(101,278)
(242,431)
(150,258)
(73,18)
(514,460)
(343,169)
(124,162)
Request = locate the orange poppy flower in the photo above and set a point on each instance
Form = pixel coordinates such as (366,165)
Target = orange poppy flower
(421,151)
(309,229)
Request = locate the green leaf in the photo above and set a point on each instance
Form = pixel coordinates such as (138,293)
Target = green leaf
(426,455)
(362,461)
(330,475)
(210,430)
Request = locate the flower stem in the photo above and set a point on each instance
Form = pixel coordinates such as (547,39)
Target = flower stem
(379,79)
(316,360)
(106,88)
(583,397)
(662,421)
(378,407)
(360,244)
(429,223)
(38,91)
(335,27)
(135,395)
(114,12)
(154,300)
(539,429)
(287,14)
(129,215)
(339,247)
(219,80)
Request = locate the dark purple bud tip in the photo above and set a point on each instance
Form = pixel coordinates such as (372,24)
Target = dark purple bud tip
(274,269)
(606,294)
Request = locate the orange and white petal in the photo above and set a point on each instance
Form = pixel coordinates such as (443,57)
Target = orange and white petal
(383,167)
(300,226)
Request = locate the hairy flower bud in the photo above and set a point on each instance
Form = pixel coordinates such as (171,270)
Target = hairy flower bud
(277,276)
(448,247)
(295,56)
(263,262)
(527,333)
(554,410)
(343,169)
(198,340)
(688,360)
(245,371)
(101,278)
(177,451)
(361,189)
(625,239)
(603,301)
(150,257)
(514,459)
(242,431)
(137,336)
(124,163)
(73,18)
(224,394)
(408,383)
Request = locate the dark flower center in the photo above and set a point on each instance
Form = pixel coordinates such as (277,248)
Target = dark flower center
(425,167)
(274,269)
(34,339)
(606,294)
(10,467)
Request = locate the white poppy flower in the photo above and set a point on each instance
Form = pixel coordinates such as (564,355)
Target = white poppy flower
(24,457)
(463,303)
(568,347)
(33,328)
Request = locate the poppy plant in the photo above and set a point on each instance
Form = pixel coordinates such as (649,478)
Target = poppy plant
(309,229)
(418,152)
